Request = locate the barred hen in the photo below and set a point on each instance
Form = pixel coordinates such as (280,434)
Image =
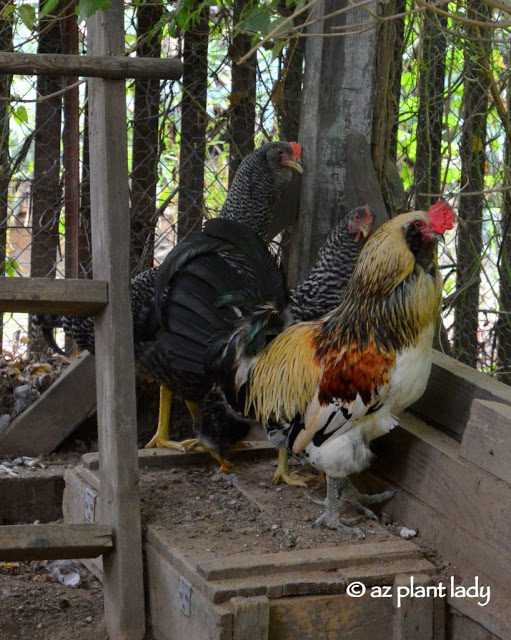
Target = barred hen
(325,389)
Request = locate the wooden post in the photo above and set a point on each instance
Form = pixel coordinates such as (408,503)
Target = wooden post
(335,132)
(115,374)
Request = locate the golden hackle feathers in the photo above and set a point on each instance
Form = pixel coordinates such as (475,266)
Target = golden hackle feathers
(286,375)
(389,299)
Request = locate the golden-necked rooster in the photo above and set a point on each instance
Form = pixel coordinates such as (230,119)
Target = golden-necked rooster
(325,389)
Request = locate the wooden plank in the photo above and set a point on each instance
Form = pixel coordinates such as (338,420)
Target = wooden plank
(427,463)
(46,295)
(241,565)
(205,620)
(54,541)
(111,67)
(452,388)
(55,414)
(331,618)
(487,438)
(413,616)
(166,458)
(115,371)
(468,554)
(251,618)
(29,498)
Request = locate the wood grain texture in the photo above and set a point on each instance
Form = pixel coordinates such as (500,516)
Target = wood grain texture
(451,389)
(250,618)
(50,542)
(428,464)
(162,458)
(111,67)
(487,438)
(115,371)
(413,617)
(45,295)
(55,414)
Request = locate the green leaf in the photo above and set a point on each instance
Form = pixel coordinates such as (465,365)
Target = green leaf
(26,13)
(21,115)
(279,45)
(47,7)
(7,10)
(87,8)
(258,21)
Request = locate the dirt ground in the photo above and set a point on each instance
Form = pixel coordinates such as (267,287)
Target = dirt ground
(204,513)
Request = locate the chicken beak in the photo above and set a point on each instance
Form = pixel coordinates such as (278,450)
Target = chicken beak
(439,237)
(366,229)
(294,164)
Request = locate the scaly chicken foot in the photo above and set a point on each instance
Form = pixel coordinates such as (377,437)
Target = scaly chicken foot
(161,437)
(360,501)
(332,517)
(291,478)
(341,491)
(193,443)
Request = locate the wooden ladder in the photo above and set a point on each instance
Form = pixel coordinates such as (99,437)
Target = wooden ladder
(118,535)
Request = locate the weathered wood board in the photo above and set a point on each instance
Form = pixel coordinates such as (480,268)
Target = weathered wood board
(451,389)
(487,438)
(55,415)
(112,67)
(50,541)
(45,295)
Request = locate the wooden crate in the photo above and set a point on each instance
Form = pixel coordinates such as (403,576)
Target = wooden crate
(289,594)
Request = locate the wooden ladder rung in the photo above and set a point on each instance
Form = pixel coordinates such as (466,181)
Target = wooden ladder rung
(54,541)
(46,295)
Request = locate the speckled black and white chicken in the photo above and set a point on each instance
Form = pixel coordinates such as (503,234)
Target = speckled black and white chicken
(258,183)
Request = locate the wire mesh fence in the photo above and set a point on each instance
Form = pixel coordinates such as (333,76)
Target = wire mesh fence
(447,137)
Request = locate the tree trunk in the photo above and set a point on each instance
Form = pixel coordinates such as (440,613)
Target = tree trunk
(5,162)
(85,236)
(193,126)
(71,149)
(430,115)
(243,95)
(335,133)
(503,327)
(469,239)
(146,149)
(287,98)
(388,68)
(47,190)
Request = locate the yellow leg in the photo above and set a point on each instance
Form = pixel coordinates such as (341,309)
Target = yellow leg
(292,478)
(161,437)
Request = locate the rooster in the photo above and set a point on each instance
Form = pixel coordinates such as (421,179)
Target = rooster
(324,389)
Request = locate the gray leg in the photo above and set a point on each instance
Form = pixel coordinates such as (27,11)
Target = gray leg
(332,517)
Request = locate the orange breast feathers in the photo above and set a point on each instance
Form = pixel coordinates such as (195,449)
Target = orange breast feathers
(351,372)
(286,376)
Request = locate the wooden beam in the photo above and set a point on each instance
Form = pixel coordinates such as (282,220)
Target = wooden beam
(111,67)
(45,295)
(451,389)
(55,414)
(487,438)
(115,370)
(54,541)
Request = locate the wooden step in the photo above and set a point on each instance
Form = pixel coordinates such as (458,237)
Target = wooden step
(54,541)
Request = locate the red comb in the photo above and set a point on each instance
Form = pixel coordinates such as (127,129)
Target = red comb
(442,217)
(297,150)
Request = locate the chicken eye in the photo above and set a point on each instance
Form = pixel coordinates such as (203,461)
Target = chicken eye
(418,224)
